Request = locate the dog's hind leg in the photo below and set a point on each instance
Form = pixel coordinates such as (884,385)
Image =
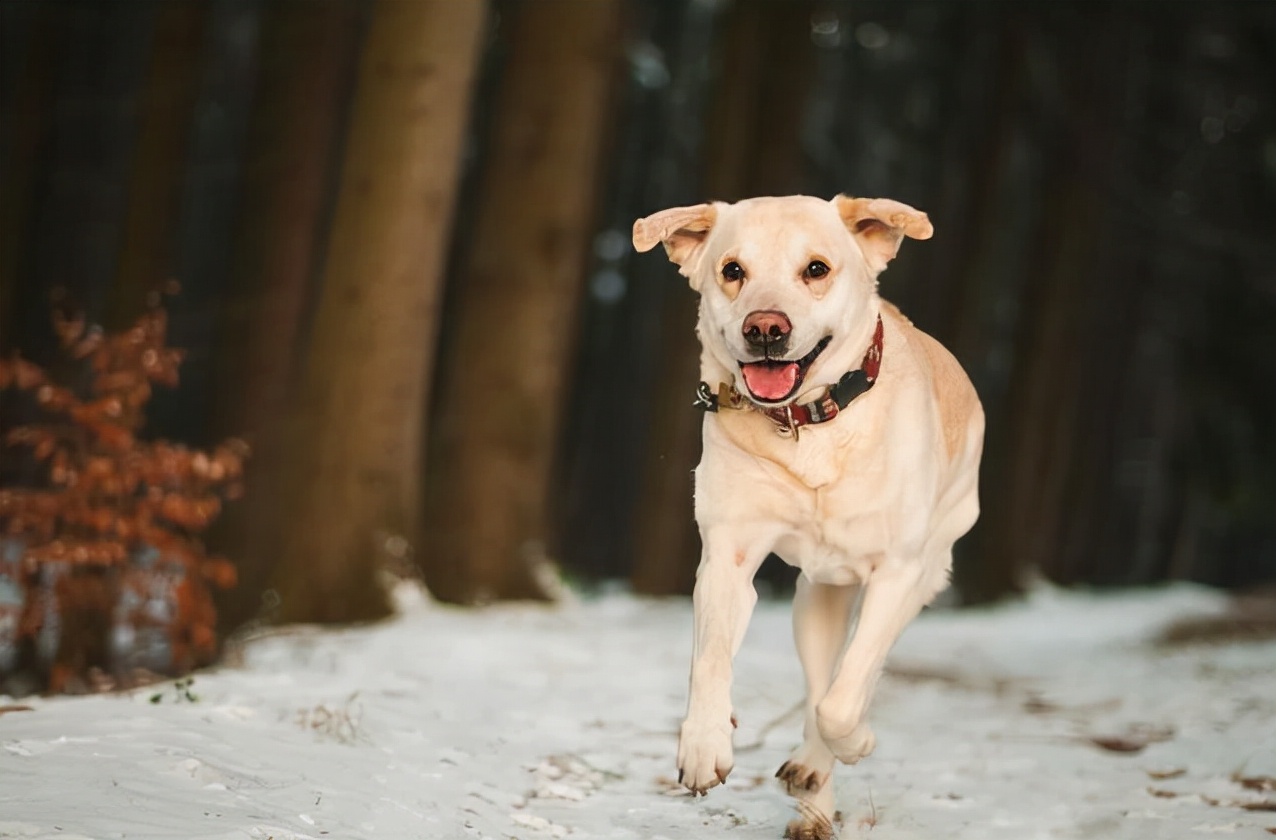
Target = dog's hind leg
(894,596)
(821,617)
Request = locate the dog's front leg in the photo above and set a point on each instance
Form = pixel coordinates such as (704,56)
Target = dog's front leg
(723,601)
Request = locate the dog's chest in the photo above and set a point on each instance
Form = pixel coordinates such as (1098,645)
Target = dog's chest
(829,499)
(840,542)
(817,459)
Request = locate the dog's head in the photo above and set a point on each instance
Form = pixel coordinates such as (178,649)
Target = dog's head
(786,284)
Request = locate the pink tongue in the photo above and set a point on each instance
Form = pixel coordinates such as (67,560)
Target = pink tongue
(770,381)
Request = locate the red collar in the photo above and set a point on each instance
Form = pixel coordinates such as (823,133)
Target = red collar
(789,418)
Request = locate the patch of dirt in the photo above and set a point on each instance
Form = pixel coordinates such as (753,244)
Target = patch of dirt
(1250,618)
(1135,739)
(1264,784)
(15,707)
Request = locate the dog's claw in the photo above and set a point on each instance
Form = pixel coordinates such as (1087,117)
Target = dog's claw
(681,773)
(799,777)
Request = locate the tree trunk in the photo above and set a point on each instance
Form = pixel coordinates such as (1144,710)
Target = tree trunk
(654,164)
(1033,515)
(970,280)
(147,251)
(354,456)
(210,189)
(507,357)
(754,124)
(30,47)
(309,56)
(78,181)
(764,71)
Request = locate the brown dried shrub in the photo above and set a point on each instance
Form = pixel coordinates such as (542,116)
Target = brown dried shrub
(108,523)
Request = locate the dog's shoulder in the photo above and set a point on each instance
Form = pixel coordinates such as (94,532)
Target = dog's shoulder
(955,396)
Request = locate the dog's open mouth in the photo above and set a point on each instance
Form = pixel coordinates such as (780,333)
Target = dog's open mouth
(775,380)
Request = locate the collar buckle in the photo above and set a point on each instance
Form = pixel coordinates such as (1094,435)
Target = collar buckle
(705,399)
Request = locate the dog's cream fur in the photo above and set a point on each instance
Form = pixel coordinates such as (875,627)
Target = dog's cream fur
(873,499)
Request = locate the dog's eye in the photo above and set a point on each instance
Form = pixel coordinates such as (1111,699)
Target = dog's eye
(733,272)
(816,270)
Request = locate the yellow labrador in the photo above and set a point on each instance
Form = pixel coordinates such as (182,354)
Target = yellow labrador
(838,436)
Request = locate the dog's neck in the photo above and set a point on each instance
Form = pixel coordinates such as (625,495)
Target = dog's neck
(792,416)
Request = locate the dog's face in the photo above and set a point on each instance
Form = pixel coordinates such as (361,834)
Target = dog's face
(785,283)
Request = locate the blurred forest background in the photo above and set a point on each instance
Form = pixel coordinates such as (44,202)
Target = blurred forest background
(401,233)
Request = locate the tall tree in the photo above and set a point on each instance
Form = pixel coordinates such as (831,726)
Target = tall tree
(309,54)
(211,183)
(763,67)
(966,277)
(30,48)
(507,357)
(147,251)
(353,457)
(76,185)
(654,163)
(1066,345)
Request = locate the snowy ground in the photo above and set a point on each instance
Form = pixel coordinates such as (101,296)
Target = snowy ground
(533,722)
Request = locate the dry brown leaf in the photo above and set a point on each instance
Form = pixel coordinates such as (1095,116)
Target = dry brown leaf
(1259,783)
(1119,743)
(1136,739)
(1265,805)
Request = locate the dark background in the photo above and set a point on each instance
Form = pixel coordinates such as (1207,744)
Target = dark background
(1101,178)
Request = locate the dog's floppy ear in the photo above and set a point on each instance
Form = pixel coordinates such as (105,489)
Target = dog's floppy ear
(682,230)
(880,224)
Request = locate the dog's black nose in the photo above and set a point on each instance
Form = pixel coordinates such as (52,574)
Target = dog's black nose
(767,329)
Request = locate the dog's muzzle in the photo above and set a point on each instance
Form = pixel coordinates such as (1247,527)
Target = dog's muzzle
(772,381)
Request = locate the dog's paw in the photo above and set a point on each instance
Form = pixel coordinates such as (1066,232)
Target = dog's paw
(807,769)
(808,777)
(798,778)
(705,755)
(849,746)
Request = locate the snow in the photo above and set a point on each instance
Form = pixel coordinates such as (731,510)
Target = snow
(559,721)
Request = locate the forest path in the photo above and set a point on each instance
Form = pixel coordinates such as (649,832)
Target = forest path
(1058,716)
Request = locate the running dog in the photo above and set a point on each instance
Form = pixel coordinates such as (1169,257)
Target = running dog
(836,435)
